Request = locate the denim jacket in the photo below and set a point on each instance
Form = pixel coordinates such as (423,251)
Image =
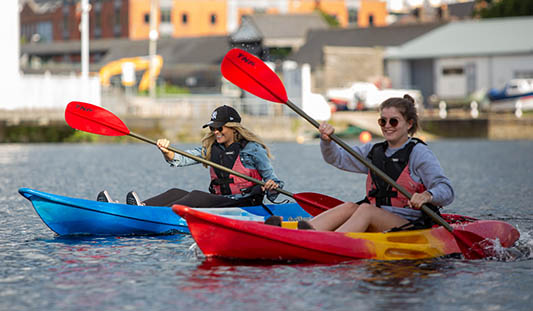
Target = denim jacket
(253,155)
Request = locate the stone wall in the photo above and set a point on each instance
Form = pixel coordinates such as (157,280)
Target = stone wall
(504,127)
(343,65)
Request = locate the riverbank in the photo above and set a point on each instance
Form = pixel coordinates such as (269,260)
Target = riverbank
(49,126)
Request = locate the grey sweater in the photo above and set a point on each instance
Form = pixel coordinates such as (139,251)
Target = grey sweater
(424,167)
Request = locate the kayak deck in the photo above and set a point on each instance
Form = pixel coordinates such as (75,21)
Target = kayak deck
(219,236)
(69,216)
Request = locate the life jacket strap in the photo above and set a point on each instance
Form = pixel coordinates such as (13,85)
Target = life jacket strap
(422,222)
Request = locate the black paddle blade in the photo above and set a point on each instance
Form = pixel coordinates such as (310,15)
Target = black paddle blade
(315,203)
(472,245)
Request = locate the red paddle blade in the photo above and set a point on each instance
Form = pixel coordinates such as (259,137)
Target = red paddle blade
(472,245)
(93,119)
(315,203)
(251,74)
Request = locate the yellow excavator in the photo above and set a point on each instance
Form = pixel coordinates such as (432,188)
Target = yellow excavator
(127,64)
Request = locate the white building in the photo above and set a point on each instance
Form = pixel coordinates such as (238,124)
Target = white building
(461,57)
(35,91)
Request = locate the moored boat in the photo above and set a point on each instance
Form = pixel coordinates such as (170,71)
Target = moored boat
(66,216)
(516,94)
(219,236)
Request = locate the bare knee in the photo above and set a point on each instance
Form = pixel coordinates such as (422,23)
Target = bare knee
(367,211)
(348,206)
(366,208)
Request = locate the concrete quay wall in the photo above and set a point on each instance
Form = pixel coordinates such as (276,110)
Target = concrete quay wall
(274,126)
(459,124)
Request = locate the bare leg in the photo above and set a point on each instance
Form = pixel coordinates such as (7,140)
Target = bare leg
(372,219)
(333,218)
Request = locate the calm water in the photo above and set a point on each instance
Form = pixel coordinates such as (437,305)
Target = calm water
(41,271)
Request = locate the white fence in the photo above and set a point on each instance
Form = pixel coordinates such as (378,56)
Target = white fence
(51,92)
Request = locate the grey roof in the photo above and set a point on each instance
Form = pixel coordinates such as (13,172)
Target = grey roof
(461,9)
(494,36)
(312,51)
(197,50)
(66,47)
(275,26)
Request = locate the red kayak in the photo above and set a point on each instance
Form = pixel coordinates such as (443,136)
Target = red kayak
(219,236)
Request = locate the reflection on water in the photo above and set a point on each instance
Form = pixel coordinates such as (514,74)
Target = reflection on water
(41,271)
(12,154)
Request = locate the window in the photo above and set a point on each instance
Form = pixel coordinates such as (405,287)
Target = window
(184,18)
(97,24)
(526,74)
(98,19)
(66,32)
(116,22)
(165,15)
(452,71)
(44,29)
(352,17)
(146,18)
(213,19)
(116,17)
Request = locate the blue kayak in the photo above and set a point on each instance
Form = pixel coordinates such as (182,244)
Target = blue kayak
(69,216)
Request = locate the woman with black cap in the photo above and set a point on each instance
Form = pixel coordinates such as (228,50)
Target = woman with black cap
(230,144)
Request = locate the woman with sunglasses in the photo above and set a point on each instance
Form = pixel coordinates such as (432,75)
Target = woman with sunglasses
(229,144)
(402,157)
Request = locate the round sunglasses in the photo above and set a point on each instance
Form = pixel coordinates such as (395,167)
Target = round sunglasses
(392,121)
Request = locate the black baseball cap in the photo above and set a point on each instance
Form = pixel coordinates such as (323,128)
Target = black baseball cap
(223,115)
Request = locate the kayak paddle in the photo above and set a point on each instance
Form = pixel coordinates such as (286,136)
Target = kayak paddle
(97,120)
(251,74)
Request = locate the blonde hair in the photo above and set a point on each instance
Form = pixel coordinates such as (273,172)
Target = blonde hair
(240,133)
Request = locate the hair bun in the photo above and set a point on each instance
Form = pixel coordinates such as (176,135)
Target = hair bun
(409,98)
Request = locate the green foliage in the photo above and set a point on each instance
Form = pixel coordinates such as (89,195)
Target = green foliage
(295,125)
(167,89)
(504,8)
(34,133)
(82,137)
(330,19)
(279,53)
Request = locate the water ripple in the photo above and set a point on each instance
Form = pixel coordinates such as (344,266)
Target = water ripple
(41,271)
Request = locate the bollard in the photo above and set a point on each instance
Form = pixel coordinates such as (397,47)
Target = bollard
(518,109)
(442,110)
(474,112)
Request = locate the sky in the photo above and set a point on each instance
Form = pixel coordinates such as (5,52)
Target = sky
(398,5)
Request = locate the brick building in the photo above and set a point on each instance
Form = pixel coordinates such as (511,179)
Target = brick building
(58,20)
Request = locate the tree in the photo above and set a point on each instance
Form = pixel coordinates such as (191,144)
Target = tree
(503,8)
(331,20)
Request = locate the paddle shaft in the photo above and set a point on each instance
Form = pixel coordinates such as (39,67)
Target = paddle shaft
(250,73)
(371,166)
(207,162)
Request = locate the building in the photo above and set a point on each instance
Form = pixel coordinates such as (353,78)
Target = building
(323,49)
(459,58)
(58,20)
(50,33)
(189,59)
(263,34)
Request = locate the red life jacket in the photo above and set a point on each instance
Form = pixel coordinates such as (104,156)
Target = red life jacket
(224,183)
(378,191)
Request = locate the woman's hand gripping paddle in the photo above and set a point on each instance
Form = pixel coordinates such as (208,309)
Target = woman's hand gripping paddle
(97,120)
(253,75)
